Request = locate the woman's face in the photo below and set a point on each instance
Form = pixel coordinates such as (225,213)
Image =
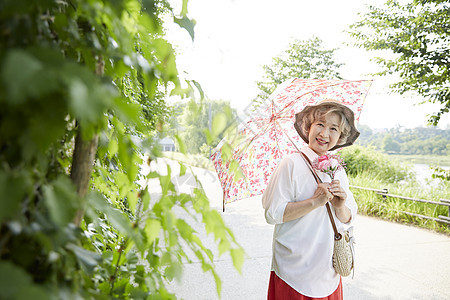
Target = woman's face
(324,133)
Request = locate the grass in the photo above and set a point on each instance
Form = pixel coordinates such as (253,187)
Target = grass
(393,209)
(432,160)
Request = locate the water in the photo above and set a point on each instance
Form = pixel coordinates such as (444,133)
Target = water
(423,174)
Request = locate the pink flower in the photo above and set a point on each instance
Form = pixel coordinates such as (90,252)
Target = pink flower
(323,158)
(322,165)
(329,164)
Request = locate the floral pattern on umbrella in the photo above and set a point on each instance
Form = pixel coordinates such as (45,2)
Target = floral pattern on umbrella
(266,138)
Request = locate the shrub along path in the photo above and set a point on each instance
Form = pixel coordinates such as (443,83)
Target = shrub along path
(394,261)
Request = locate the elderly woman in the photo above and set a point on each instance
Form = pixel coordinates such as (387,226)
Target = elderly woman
(293,201)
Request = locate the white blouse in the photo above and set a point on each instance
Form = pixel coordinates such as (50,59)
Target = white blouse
(303,248)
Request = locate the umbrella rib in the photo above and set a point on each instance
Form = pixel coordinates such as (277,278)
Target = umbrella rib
(318,86)
(288,137)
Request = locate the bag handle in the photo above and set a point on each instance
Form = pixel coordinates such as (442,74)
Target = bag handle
(337,235)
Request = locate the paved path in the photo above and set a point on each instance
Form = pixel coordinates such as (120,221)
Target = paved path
(394,261)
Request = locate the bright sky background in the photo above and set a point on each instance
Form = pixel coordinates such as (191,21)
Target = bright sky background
(235,38)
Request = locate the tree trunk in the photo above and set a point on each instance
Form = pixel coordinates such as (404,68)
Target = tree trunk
(83,158)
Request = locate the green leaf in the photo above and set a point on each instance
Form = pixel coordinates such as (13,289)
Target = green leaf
(129,112)
(181,144)
(15,283)
(185,229)
(209,137)
(62,200)
(18,71)
(235,169)
(224,246)
(199,88)
(12,191)
(117,218)
(145,198)
(122,183)
(88,260)
(183,169)
(237,255)
(80,100)
(187,24)
(48,127)
(218,281)
(132,200)
(112,148)
(175,270)
(226,152)
(184,9)
(219,123)
(152,229)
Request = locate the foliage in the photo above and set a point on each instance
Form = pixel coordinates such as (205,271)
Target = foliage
(302,59)
(417,33)
(92,68)
(194,121)
(441,173)
(370,169)
(366,161)
(400,210)
(420,140)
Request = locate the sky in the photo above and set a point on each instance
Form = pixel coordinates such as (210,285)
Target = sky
(235,38)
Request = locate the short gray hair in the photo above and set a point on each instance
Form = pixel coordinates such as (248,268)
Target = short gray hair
(322,111)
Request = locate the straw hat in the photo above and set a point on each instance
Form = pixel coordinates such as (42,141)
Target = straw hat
(328,104)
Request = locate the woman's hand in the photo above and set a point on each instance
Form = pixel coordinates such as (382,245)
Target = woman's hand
(297,209)
(339,195)
(322,194)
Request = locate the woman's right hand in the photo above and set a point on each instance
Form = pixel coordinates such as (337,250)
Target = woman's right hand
(322,195)
(297,209)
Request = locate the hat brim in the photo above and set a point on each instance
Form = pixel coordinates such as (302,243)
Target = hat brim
(349,115)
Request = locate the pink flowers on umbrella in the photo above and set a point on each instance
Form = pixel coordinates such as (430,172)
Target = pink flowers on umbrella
(329,164)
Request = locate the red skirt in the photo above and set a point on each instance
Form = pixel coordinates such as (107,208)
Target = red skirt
(280,290)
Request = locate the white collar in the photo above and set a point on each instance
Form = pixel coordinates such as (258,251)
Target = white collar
(310,153)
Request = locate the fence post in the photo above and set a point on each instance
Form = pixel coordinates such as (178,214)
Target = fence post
(446,201)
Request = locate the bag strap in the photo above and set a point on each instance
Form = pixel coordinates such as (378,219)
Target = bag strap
(337,235)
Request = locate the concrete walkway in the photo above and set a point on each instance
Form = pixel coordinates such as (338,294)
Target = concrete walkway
(394,261)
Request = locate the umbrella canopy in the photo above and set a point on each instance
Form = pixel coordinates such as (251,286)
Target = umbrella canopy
(268,136)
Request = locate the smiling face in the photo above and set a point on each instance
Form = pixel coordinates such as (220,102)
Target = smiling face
(324,133)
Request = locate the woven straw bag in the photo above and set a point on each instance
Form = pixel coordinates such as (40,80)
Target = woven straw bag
(343,252)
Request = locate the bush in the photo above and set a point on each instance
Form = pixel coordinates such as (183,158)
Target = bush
(371,169)
(365,160)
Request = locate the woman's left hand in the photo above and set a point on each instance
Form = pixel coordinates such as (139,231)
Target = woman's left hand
(339,194)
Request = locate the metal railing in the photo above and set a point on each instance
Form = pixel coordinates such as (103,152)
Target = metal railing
(442,202)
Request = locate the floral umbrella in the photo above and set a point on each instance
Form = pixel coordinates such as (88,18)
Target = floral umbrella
(267,137)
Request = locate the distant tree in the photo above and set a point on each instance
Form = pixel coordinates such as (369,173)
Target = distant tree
(365,131)
(418,33)
(420,140)
(302,59)
(390,145)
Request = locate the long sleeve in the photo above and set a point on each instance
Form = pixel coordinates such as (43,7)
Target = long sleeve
(279,191)
(350,202)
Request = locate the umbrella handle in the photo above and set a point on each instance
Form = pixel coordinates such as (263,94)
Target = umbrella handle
(223,201)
